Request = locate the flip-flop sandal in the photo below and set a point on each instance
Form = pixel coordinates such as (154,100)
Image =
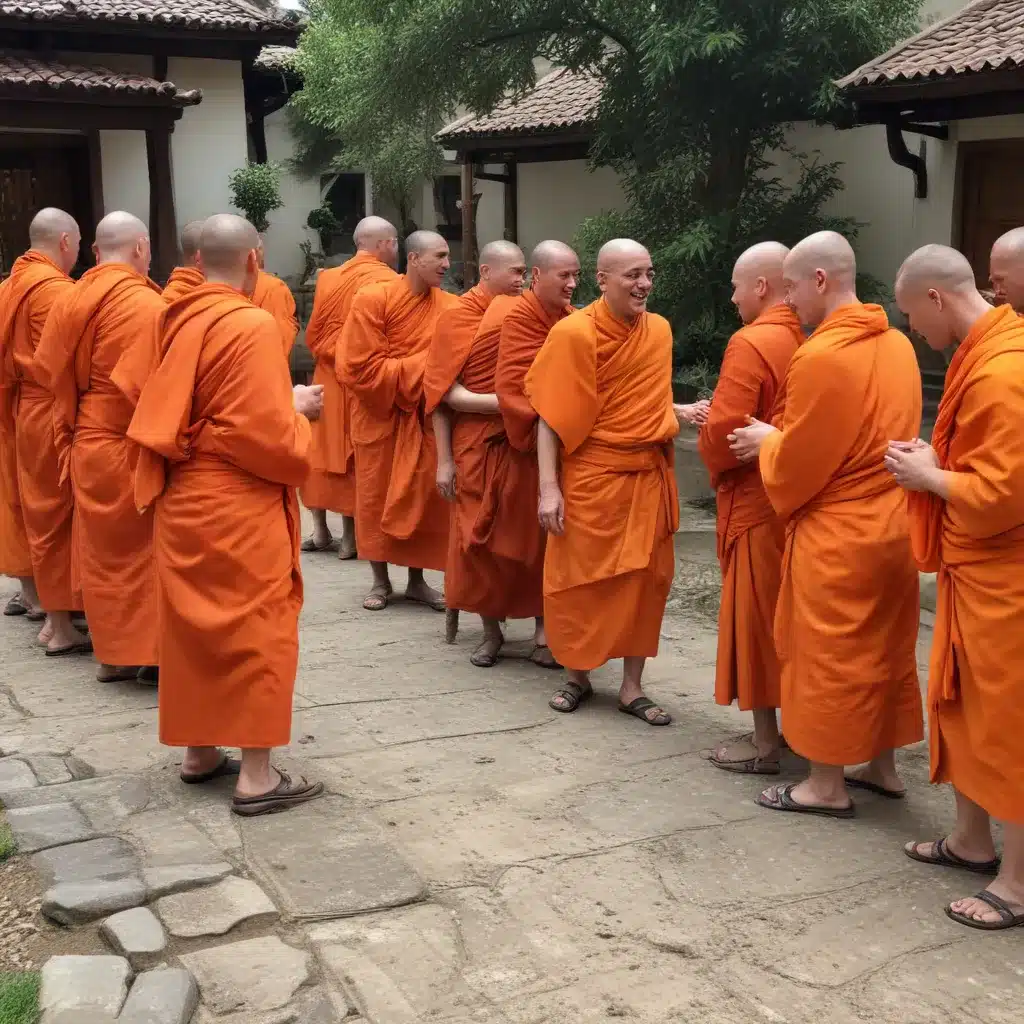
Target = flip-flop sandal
(943,857)
(15,607)
(639,707)
(573,694)
(227,766)
(310,545)
(39,616)
(85,647)
(1008,917)
(784,802)
(437,603)
(482,657)
(756,765)
(127,675)
(377,599)
(284,795)
(542,657)
(874,787)
(149,674)
(347,556)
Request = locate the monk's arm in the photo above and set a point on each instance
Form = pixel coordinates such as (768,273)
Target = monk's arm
(442,422)
(462,400)
(737,396)
(547,456)
(365,367)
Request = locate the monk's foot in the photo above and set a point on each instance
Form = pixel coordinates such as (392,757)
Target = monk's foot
(68,641)
(999,905)
(877,779)
(957,852)
(347,550)
(486,655)
(200,761)
(117,673)
(378,598)
(288,792)
(746,756)
(420,592)
(319,542)
(804,797)
(45,634)
(571,696)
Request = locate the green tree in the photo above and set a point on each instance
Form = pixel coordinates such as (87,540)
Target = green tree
(256,191)
(697,94)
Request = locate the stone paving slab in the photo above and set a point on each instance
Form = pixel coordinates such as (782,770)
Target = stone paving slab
(166,996)
(39,828)
(107,858)
(15,775)
(84,983)
(216,909)
(75,903)
(135,934)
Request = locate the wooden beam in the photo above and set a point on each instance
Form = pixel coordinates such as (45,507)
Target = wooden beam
(512,202)
(163,228)
(963,108)
(96,176)
(48,115)
(160,67)
(468,223)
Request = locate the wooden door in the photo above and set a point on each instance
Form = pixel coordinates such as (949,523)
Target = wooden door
(991,198)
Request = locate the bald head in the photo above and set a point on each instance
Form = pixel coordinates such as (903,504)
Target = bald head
(228,251)
(1006,268)
(936,267)
(549,252)
(820,275)
(620,250)
(757,279)
(55,234)
(554,275)
(428,260)
(420,242)
(118,235)
(190,235)
(371,230)
(502,268)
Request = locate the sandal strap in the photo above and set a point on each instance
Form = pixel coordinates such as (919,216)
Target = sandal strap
(1000,906)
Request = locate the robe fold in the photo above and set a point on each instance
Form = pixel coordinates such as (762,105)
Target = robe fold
(36,284)
(847,615)
(331,483)
(605,388)
(975,541)
(222,451)
(15,559)
(400,517)
(273,295)
(107,312)
(181,282)
(751,538)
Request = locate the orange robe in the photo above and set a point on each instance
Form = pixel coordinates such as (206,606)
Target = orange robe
(181,282)
(222,452)
(331,483)
(15,559)
(273,295)
(110,309)
(751,538)
(400,517)
(975,541)
(35,284)
(605,388)
(847,615)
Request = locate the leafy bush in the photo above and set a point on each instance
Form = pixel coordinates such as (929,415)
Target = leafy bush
(256,191)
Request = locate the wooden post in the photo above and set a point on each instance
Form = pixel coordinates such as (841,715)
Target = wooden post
(512,201)
(468,225)
(163,228)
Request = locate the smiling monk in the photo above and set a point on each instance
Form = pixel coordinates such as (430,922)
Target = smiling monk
(188,276)
(273,295)
(38,280)
(967,522)
(331,484)
(751,537)
(602,386)
(847,614)
(225,441)
(400,517)
(109,310)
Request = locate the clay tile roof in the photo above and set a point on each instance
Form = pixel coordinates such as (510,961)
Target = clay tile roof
(217,15)
(276,58)
(561,99)
(986,35)
(30,76)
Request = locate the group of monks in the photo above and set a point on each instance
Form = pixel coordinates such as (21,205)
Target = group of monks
(152,448)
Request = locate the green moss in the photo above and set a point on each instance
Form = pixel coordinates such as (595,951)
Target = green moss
(8,848)
(19,997)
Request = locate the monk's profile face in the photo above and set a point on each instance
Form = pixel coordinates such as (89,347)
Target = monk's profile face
(749,292)
(432,263)
(555,283)
(67,250)
(926,312)
(626,282)
(1006,272)
(806,290)
(505,277)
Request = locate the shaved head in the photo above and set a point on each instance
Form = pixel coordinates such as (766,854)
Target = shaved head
(428,260)
(938,267)
(549,252)
(500,252)
(502,268)
(757,280)
(625,275)
(420,242)
(228,251)
(765,258)
(1006,268)
(555,274)
(190,234)
(122,238)
(55,234)
(820,275)
(371,230)
(619,250)
(826,250)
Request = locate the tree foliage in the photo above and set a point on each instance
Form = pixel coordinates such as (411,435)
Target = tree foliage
(256,191)
(697,94)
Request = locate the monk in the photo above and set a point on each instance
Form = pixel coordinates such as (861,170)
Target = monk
(967,524)
(751,538)
(112,307)
(188,276)
(38,280)
(331,485)
(400,517)
(602,388)
(225,441)
(273,295)
(1006,268)
(847,614)
(458,387)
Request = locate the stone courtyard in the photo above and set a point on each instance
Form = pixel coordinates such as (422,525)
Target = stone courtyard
(478,858)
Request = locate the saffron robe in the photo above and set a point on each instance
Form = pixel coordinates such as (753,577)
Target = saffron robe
(751,538)
(605,388)
(222,452)
(847,615)
(331,483)
(975,541)
(109,310)
(181,282)
(400,517)
(47,504)
(273,295)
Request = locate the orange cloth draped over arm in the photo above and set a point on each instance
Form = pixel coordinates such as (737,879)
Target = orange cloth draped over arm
(331,483)
(15,559)
(223,450)
(110,311)
(975,541)
(751,538)
(181,282)
(847,614)
(450,346)
(400,517)
(605,388)
(273,295)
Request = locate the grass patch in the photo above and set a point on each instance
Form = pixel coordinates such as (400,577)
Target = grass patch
(19,997)
(8,848)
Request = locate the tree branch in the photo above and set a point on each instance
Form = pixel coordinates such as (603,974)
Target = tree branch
(553,27)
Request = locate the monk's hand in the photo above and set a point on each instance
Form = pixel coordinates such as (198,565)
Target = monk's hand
(551,509)
(309,400)
(446,480)
(914,465)
(745,442)
(696,414)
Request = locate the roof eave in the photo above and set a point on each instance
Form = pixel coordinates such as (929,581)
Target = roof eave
(520,138)
(935,87)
